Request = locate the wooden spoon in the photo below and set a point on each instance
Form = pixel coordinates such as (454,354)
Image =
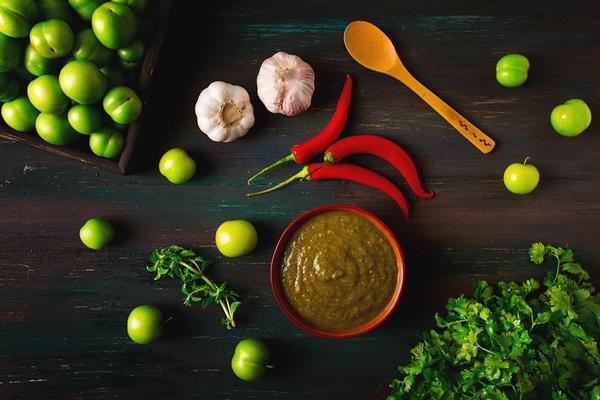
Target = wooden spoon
(371,48)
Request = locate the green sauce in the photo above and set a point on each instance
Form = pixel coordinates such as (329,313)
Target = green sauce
(338,270)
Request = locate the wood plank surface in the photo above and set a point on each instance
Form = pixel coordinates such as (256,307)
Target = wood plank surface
(64,307)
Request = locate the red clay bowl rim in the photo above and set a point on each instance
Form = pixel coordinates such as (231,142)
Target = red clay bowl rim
(330,333)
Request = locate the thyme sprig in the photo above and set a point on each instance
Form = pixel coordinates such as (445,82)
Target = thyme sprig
(178,262)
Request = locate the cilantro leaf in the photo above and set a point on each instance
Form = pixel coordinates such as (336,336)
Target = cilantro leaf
(512,341)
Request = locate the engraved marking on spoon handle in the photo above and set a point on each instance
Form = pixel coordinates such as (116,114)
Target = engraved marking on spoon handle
(473,134)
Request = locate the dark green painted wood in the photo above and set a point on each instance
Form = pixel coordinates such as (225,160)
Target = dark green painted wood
(62,320)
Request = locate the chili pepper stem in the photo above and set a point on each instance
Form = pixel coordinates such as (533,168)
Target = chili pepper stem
(300,175)
(329,158)
(312,171)
(287,158)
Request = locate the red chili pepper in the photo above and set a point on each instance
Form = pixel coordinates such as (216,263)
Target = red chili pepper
(304,152)
(381,147)
(351,172)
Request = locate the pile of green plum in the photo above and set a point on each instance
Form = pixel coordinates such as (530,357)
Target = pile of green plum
(68,68)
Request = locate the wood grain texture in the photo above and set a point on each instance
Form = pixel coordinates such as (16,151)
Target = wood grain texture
(64,307)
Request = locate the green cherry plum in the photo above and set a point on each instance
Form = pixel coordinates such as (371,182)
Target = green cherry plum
(10,53)
(114,74)
(131,55)
(521,178)
(114,24)
(511,70)
(107,142)
(22,75)
(177,166)
(137,6)
(96,233)
(17,17)
(236,238)
(55,9)
(571,118)
(145,324)
(83,81)
(37,65)
(20,114)
(9,87)
(84,118)
(86,46)
(85,8)
(52,38)
(55,129)
(122,104)
(46,95)
(250,359)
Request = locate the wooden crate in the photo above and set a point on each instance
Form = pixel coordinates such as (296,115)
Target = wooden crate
(81,152)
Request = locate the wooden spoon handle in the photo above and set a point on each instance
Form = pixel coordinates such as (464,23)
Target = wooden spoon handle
(473,134)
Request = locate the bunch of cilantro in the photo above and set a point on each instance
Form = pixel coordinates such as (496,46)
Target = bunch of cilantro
(516,341)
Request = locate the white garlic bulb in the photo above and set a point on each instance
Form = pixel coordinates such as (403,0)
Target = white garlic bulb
(285,84)
(224,112)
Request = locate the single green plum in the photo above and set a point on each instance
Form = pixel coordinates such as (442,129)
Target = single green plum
(17,17)
(38,65)
(236,238)
(250,360)
(55,129)
(122,104)
(145,324)
(22,75)
(96,233)
(571,118)
(114,74)
(10,53)
(177,166)
(107,142)
(114,24)
(52,38)
(85,118)
(512,70)
(521,178)
(85,8)
(51,9)
(9,87)
(88,47)
(137,6)
(83,82)
(46,95)
(131,56)
(20,114)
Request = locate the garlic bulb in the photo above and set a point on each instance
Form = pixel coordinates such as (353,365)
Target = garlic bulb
(224,111)
(285,84)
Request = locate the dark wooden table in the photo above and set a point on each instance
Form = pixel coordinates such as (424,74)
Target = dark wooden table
(64,307)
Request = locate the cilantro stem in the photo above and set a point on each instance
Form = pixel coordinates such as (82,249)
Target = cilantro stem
(177,262)
(225,305)
(198,272)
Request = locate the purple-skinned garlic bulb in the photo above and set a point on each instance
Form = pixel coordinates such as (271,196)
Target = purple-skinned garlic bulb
(285,84)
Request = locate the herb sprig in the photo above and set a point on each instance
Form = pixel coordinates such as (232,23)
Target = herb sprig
(178,262)
(515,341)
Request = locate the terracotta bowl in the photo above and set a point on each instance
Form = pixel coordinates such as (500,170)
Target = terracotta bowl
(294,316)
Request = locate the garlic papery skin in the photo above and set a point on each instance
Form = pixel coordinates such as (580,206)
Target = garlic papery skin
(224,112)
(285,84)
